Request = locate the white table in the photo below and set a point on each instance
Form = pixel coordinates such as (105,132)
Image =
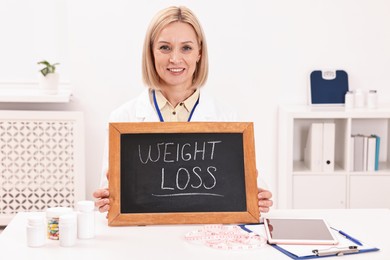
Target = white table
(166,242)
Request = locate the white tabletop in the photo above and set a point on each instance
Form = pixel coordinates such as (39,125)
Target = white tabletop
(167,241)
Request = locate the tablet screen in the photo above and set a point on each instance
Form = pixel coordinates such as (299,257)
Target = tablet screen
(298,231)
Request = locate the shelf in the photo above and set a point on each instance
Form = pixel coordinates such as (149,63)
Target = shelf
(306,112)
(299,187)
(300,167)
(34,95)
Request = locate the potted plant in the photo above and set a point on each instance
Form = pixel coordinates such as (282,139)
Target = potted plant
(49,78)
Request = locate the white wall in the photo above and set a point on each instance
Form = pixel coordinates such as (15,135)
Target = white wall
(261,53)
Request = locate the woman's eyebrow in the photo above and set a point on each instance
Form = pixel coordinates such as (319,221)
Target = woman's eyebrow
(163,42)
(185,42)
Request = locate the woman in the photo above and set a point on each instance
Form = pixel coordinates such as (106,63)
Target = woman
(175,67)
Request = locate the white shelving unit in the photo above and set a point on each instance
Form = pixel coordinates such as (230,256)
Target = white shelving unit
(29,92)
(34,96)
(42,152)
(298,187)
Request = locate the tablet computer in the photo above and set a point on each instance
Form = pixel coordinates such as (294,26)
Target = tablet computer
(299,231)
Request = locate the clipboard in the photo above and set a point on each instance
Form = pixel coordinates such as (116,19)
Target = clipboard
(347,245)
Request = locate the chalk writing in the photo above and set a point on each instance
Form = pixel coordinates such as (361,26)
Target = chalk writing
(169,152)
(195,178)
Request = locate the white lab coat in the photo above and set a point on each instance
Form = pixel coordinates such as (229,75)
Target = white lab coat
(140,109)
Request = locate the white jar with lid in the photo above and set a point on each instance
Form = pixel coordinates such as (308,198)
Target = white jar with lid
(349,100)
(36,231)
(359,98)
(68,229)
(53,216)
(372,99)
(85,219)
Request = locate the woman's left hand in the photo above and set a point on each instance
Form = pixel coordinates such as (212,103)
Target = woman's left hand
(265,201)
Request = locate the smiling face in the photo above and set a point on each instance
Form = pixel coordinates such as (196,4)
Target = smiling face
(176,52)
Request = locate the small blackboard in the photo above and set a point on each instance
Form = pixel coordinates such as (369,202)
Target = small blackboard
(182,173)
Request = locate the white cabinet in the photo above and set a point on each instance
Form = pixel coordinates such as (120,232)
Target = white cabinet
(299,187)
(318,191)
(368,192)
(41,161)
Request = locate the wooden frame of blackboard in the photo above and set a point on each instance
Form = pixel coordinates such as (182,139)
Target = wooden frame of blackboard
(250,215)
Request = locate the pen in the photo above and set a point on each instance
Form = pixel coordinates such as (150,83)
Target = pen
(357,242)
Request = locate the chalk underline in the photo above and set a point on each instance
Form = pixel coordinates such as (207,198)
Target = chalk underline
(187,194)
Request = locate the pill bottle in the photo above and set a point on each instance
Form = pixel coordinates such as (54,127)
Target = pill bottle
(36,231)
(349,100)
(85,219)
(68,229)
(53,216)
(359,98)
(372,99)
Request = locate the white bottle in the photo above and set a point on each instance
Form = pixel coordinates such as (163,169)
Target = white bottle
(68,229)
(349,100)
(36,231)
(85,219)
(53,216)
(372,99)
(359,98)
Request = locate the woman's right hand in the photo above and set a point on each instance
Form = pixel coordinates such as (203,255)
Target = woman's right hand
(102,201)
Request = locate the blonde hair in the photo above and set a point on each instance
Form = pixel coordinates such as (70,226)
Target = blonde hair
(158,23)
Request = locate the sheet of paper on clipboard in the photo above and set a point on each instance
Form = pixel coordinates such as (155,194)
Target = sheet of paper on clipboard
(315,251)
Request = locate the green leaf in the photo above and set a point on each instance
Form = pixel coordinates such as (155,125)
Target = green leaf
(44,62)
(49,68)
(45,71)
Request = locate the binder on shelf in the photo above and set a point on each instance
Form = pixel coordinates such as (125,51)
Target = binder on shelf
(328,147)
(320,147)
(371,153)
(313,151)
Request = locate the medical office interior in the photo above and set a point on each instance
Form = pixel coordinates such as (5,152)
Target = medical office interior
(261,56)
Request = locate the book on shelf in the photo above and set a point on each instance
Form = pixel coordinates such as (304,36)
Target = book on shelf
(377,148)
(352,153)
(358,153)
(371,151)
(365,152)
